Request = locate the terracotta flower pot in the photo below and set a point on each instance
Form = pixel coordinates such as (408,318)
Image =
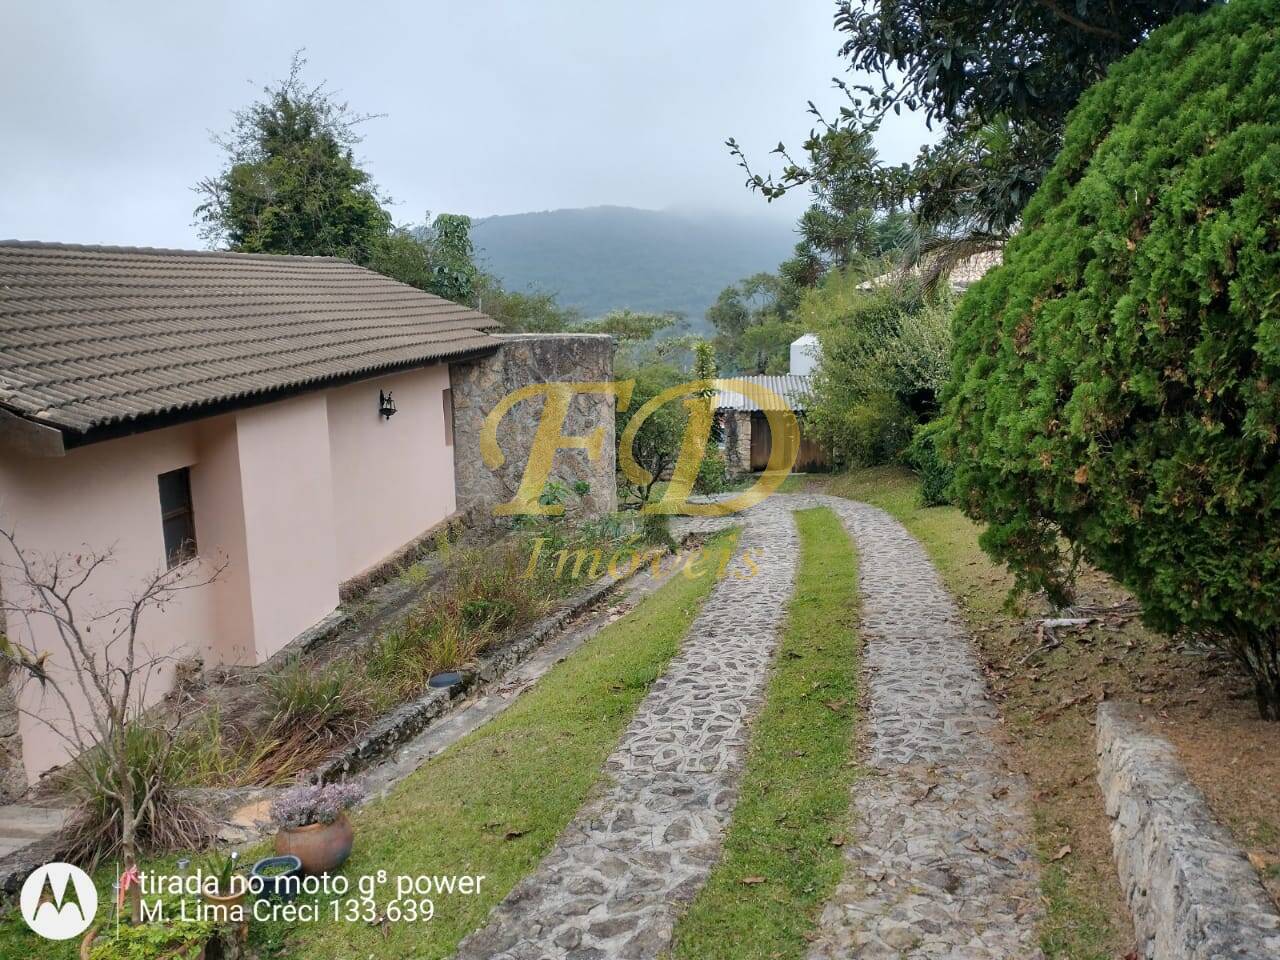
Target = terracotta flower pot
(229,902)
(322,847)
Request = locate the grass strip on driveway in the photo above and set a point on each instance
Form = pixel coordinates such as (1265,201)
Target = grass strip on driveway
(782,854)
(494,803)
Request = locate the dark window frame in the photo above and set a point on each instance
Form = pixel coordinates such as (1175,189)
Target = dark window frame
(177,516)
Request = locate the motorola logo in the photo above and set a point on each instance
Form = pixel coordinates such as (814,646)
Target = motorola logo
(59,901)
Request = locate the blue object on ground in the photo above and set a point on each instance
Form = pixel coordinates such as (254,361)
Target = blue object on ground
(282,882)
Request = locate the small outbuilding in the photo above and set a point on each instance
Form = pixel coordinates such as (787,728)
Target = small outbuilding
(748,437)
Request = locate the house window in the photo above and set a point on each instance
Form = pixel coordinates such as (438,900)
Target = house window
(448,417)
(177,516)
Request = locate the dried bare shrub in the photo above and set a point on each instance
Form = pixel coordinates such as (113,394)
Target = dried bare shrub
(98,680)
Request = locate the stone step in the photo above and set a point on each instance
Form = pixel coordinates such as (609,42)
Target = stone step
(24,820)
(21,823)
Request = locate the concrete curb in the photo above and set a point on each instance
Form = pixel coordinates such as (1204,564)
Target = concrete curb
(1192,892)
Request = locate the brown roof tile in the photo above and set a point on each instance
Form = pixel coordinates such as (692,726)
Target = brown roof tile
(962,276)
(93,336)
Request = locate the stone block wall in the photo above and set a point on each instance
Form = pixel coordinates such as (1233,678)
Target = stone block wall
(13,776)
(737,441)
(1192,892)
(523,359)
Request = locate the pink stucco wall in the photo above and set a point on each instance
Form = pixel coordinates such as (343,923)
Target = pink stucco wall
(98,498)
(290,498)
(288,518)
(392,479)
(220,534)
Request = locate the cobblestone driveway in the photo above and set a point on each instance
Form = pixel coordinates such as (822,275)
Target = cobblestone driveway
(614,882)
(939,868)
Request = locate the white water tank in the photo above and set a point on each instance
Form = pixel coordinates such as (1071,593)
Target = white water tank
(804,355)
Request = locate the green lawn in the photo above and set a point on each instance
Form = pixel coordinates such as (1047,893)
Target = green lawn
(491,805)
(782,854)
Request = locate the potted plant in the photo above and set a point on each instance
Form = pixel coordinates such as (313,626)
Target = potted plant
(224,887)
(277,876)
(313,824)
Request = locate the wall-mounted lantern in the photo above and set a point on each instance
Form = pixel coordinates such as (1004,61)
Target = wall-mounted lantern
(386,406)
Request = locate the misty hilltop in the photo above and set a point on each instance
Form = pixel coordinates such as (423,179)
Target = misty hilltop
(601,258)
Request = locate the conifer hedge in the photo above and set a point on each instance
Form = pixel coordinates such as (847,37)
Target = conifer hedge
(1116,388)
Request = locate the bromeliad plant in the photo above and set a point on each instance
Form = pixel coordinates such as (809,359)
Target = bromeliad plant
(221,870)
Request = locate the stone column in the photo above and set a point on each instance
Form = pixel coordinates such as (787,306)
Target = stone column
(731,442)
(738,441)
(524,359)
(13,776)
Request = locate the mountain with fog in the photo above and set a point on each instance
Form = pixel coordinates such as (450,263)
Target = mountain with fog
(602,258)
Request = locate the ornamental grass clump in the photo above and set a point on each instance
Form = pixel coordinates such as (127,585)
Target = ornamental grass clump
(1116,385)
(488,594)
(330,703)
(314,711)
(171,820)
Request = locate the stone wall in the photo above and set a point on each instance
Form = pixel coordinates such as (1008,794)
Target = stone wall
(737,441)
(524,359)
(13,777)
(1192,893)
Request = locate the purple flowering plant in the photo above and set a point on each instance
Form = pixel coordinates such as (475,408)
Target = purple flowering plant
(314,803)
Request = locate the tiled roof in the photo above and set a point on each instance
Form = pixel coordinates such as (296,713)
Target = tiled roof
(794,389)
(963,275)
(98,336)
(972,269)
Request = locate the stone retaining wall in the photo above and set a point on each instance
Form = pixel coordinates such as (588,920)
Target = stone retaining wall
(450,528)
(524,359)
(1192,893)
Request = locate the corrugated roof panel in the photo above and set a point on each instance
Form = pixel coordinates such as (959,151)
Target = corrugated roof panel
(962,276)
(792,392)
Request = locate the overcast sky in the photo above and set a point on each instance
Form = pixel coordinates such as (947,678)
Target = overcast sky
(491,106)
